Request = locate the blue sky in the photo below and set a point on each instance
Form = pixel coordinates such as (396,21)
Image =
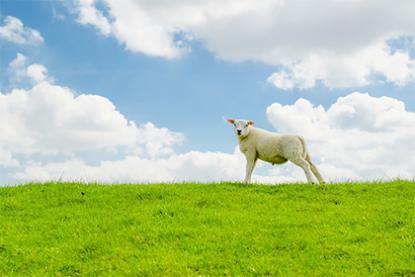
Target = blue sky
(189,94)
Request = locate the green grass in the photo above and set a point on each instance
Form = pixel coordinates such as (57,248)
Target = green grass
(221,229)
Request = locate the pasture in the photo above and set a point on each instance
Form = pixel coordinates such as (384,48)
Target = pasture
(231,229)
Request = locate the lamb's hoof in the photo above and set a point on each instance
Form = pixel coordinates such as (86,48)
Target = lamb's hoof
(322,186)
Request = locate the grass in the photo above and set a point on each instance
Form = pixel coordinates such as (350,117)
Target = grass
(71,229)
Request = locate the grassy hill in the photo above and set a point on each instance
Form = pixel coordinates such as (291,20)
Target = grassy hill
(208,229)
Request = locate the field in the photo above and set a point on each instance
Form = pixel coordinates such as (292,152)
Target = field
(71,229)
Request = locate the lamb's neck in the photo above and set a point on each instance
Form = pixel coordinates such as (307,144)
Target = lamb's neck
(252,133)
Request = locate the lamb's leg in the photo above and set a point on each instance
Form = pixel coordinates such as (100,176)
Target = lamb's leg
(250,165)
(314,169)
(305,166)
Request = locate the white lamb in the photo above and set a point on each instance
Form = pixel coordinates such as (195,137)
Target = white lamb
(274,148)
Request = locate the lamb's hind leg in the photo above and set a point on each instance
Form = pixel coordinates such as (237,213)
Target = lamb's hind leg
(301,162)
(314,169)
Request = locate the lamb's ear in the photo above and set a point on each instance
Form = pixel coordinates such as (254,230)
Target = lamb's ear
(231,121)
(250,122)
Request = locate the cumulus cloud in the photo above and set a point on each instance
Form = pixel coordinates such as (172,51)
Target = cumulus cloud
(191,166)
(358,137)
(340,71)
(53,120)
(36,72)
(327,41)
(20,72)
(132,25)
(14,31)
(7,160)
(88,14)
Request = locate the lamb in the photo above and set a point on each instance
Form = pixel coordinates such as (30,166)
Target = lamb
(256,143)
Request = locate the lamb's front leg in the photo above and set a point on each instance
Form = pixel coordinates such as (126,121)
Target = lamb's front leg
(250,165)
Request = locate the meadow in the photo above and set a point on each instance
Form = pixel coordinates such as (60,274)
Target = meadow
(222,229)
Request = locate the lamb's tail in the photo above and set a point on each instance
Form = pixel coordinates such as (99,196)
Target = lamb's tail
(305,152)
(308,159)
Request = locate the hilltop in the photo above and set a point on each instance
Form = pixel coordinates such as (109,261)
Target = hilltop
(72,229)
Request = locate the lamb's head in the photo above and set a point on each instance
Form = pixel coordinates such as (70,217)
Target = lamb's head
(242,126)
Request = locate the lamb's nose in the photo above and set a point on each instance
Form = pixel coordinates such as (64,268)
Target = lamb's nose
(239,132)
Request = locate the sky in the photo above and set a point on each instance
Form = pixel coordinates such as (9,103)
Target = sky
(137,90)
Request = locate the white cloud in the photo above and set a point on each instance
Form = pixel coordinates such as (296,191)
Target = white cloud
(6,159)
(162,28)
(191,166)
(36,72)
(20,72)
(14,31)
(328,41)
(88,14)
(357,69)
(50,119)
(358,137)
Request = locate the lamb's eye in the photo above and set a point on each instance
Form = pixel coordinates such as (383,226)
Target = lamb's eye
(246,125)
